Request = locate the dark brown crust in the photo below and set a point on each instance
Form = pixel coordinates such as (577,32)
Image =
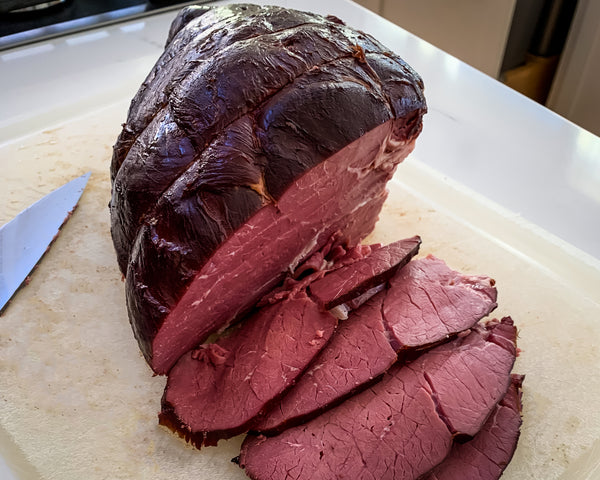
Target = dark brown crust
(168,418)
(192,87)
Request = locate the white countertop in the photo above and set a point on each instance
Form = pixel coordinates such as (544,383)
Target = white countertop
(477,132)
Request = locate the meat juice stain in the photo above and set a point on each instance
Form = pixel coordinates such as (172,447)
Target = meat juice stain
(359,53)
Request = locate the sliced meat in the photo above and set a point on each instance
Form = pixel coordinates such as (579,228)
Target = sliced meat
(428,300)
(487,455)
(403,426)
(248,175)
(358,354)
(482,366)
(336,276)
(214,391)
(343,284)
(445,303)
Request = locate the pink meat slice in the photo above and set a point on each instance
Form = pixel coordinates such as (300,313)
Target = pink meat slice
(353,274)
(358,353)
(343,284)
(486,456)
(403,426)
(214,391)
(482,367)
(427,301)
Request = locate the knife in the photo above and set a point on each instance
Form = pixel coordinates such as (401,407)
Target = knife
(25,239)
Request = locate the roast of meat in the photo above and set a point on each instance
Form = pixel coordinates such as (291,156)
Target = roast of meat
(238,161)
(252,165)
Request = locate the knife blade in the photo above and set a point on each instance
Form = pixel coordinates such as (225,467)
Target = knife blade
(25,239)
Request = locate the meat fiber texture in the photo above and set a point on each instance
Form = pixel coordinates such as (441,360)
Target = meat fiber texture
(426,299)
(405,425)
(260,133)
(486,456)
(213,392)
(218,390)
(345,284)
(338,277)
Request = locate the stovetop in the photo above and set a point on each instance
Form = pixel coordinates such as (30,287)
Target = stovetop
(68,16)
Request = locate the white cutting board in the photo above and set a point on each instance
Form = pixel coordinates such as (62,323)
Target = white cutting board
(78,401)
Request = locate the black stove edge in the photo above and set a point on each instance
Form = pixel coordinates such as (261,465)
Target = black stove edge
(86,23)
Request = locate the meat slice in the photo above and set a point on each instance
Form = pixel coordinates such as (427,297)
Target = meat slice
(403,426)
(482,367)
(358,354)
(214,391)
(364,346)
(487,455)
(427,301)
(223,181)
(343,284)
(335,275)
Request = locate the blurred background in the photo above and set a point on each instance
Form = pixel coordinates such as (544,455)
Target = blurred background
(549,50)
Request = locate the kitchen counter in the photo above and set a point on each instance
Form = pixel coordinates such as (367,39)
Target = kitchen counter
(482,141)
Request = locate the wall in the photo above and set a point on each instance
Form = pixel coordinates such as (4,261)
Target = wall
(575,93)
(475,31)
